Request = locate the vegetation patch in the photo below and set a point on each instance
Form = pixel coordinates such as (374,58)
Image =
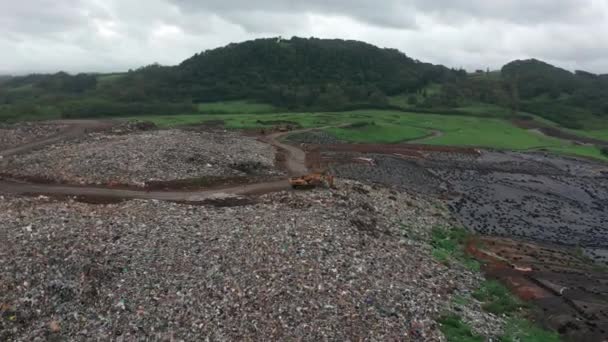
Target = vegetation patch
(516,330)
(497,299)
(236,107)
(455,330)
(377,133)
(449,246)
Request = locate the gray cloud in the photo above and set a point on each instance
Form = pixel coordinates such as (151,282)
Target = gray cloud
(390,13)
(110,35)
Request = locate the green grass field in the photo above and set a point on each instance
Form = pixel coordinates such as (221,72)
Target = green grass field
(384,133)
(393,127)
(235,107)
(595,133)
(486,110)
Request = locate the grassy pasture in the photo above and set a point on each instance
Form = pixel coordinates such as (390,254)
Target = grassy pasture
(235,107)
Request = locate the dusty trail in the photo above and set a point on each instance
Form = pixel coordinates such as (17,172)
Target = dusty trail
(295,162)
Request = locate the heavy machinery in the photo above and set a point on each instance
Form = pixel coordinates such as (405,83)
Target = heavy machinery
(312,180)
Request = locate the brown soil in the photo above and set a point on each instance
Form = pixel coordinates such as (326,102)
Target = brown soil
(569,290)
(409,149)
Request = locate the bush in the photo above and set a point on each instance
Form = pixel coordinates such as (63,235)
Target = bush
(496,298)
(455,330)
(449,245)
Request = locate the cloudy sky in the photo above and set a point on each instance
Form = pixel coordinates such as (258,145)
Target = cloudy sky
(115,35)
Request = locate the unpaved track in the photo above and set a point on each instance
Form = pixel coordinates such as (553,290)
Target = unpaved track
(295,165)
(176,196)
(295,157)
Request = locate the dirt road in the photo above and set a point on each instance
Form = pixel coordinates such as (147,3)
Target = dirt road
(175,196)
(295,161)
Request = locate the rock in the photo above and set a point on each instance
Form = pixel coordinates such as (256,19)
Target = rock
(54,327)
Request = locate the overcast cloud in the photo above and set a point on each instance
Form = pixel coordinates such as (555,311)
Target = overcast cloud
(116,35)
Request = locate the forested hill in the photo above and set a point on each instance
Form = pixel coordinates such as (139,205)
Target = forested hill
(295,73)
(302,72)
(557,94)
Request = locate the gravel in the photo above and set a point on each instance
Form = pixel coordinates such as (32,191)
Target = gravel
(140,157)
(346,264)
(19,134)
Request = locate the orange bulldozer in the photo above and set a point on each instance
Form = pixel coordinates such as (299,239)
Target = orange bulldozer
(312,180)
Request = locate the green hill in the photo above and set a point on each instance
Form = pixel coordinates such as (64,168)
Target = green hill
(296,73)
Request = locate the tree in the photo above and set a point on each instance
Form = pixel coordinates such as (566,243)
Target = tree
(412,100)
